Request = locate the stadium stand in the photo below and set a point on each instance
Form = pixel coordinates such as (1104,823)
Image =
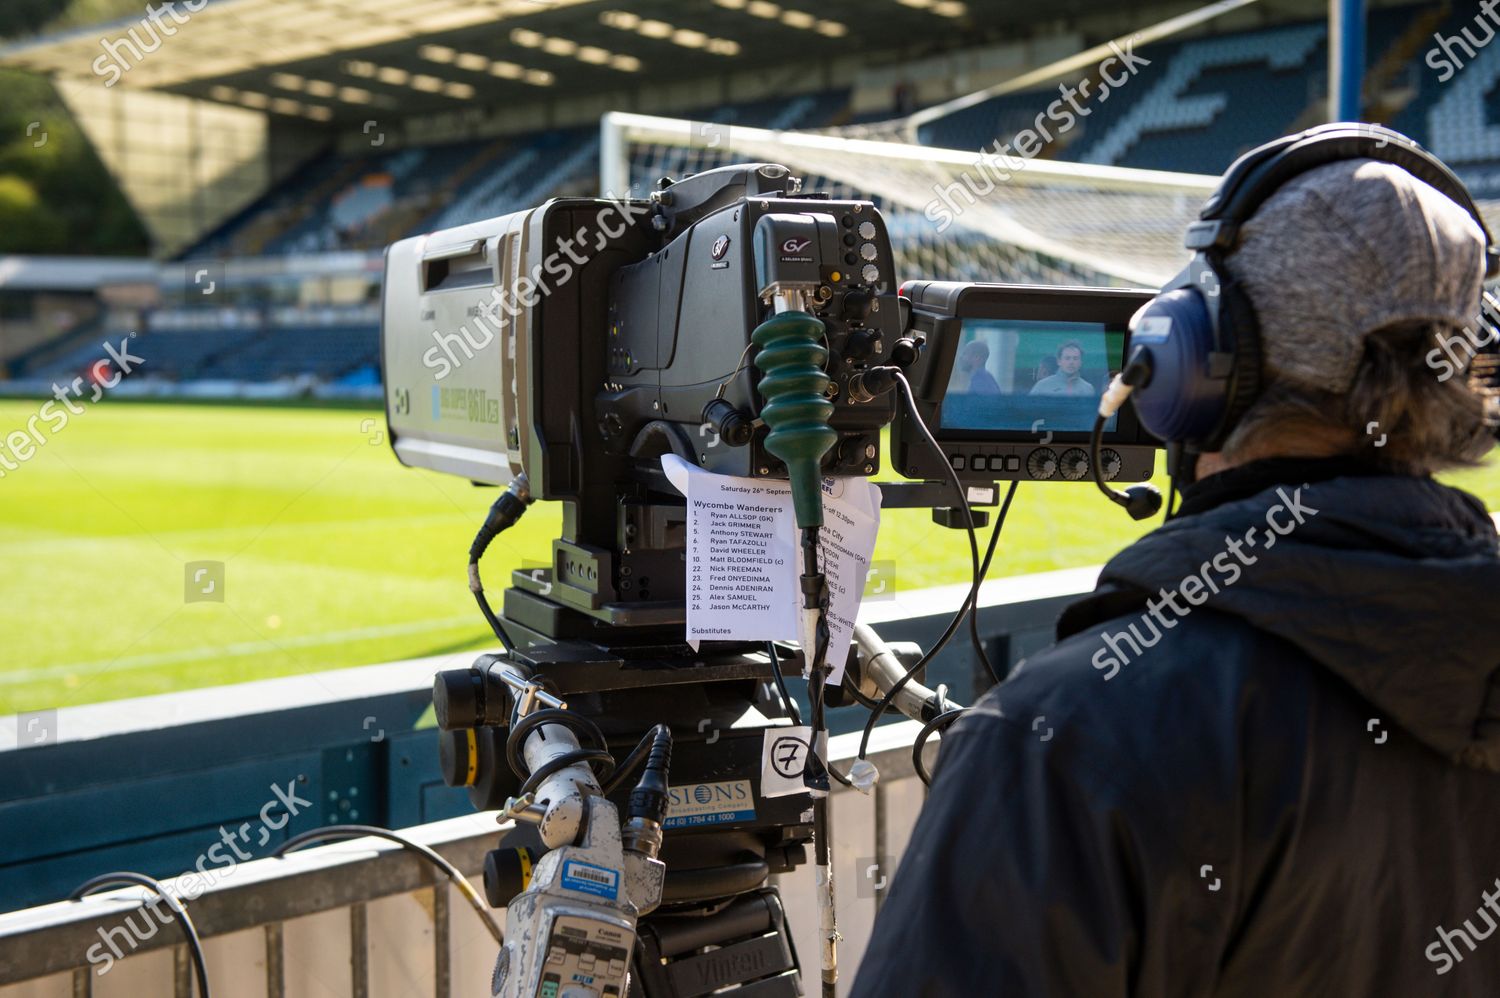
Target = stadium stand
(1206,100)
(341,202)
(1202,101)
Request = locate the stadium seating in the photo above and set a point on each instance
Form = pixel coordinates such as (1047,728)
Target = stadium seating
(340,202)
(1201,102)
(1204,101)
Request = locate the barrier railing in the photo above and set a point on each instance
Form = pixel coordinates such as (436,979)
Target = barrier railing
(368,919)
(146,784)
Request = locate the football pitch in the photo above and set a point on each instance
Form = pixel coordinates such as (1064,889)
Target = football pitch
(151,547)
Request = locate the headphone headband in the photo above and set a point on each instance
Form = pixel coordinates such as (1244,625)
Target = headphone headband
(1258,174)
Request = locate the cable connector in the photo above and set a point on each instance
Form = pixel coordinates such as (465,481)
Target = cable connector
(503,514)
(867,385)
(647,807)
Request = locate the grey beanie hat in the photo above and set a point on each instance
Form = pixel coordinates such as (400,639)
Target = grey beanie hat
(1344,250)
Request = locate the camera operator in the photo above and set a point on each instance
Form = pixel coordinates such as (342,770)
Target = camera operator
(1262,758)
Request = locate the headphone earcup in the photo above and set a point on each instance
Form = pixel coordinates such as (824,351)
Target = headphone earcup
(1181,402)
(1241,327)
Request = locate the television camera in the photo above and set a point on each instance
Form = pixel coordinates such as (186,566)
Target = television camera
(750,329)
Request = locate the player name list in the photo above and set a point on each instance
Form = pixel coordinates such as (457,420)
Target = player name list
(736,560)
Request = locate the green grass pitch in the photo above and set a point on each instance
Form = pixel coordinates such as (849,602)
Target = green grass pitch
(334,554)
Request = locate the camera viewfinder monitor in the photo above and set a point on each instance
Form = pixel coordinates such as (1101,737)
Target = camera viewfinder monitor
(1010,381)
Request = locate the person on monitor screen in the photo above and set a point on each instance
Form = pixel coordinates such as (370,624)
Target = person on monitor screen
(1264,756)
(1066,381)
(971,365)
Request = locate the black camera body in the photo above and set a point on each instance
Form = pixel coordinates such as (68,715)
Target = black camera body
(680,324)
(578,343)
(630,340)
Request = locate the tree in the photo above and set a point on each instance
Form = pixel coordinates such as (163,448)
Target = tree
(55,194)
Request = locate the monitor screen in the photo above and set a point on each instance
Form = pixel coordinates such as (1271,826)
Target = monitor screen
(1031,375)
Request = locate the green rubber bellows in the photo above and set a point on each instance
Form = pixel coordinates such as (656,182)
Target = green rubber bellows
(791,359)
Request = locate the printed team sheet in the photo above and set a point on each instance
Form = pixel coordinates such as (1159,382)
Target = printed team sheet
(744,558)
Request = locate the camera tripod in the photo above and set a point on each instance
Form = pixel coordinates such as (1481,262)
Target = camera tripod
(718,924)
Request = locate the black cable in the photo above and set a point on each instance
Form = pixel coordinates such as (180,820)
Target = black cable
(504,512)
(127,877)
(984,570)
(936,724)
(792,710)
(969,601)
(632,761)
(816,675)
(341,832)
(822,847)
(484,608)
(515,742)
(600,761)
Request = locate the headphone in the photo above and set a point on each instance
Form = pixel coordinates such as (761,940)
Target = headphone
(1195,347)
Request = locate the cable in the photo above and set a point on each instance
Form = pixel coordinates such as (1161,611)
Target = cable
(969,601)
(792,710)
(1140,501)
(938,723)
(605,767)
(984,570)
(816,675)
(503,514)
(341,832)
(484,607)
(879,709)
(632,762)
(822,848)
(583,727)
(126,877)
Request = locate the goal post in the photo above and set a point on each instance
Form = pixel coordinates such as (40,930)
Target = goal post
(952,215)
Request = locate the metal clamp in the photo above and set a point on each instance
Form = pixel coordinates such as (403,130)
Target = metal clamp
(529,696)
(522,808)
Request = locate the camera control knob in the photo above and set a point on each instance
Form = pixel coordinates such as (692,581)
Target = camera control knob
(1042,463)
(1074,464)
(1109,462)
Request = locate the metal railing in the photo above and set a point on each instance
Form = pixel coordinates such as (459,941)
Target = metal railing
(367,918)
(145,784)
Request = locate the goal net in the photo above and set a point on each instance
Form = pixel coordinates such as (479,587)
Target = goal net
(952,215)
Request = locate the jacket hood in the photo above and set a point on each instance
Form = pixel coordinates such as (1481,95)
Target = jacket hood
(1390,582)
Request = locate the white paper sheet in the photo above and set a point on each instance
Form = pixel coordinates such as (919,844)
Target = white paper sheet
(744,559)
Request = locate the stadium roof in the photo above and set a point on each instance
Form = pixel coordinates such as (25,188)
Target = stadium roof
(339,60)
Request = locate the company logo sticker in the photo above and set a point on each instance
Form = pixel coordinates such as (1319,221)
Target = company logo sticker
(709,804)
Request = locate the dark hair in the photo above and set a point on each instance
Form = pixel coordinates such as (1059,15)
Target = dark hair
(1070,344)
(1420,423)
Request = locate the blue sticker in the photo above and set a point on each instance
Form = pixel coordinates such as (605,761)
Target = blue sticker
(589,879)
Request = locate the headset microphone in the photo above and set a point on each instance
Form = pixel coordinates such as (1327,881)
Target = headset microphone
(1140,501)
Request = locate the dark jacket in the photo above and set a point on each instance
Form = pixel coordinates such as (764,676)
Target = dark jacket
(1288,790)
